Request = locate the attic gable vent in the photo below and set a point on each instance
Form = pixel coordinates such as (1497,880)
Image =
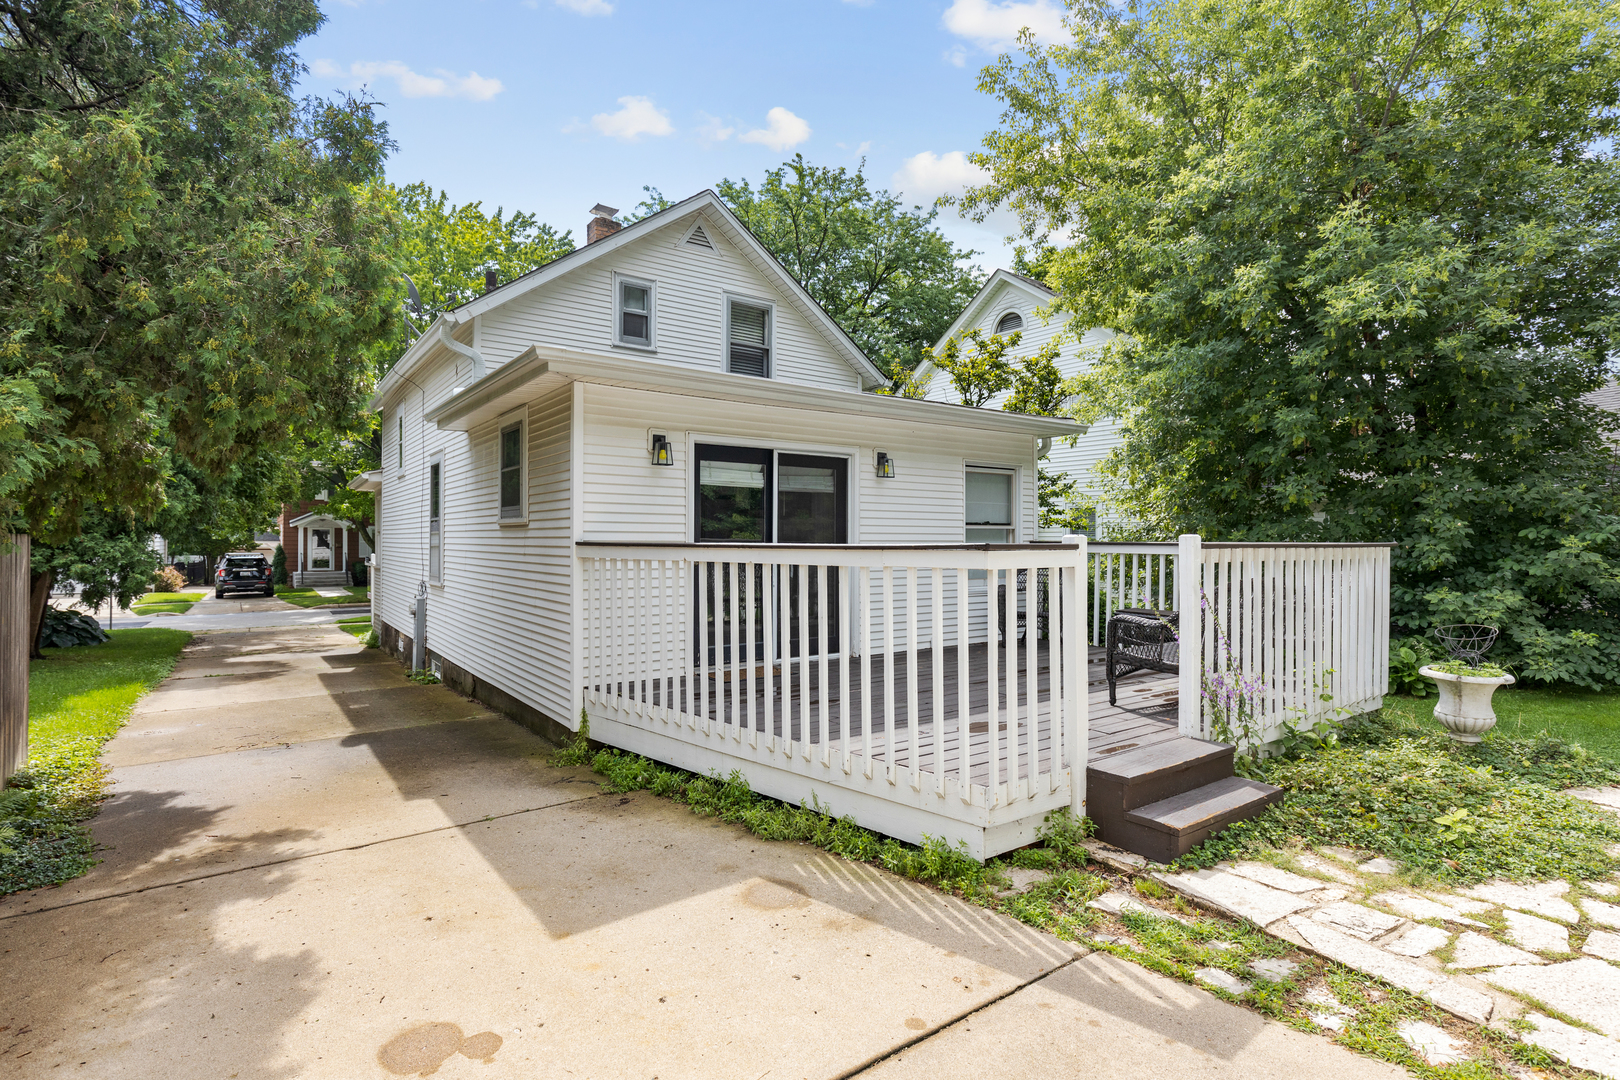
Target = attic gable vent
(700,239)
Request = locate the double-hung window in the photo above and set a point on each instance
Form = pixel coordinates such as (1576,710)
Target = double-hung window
(511,482)
(634,313)
(436,520)
(748,339)
(990,506)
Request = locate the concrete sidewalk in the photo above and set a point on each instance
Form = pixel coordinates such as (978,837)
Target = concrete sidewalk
(321,869)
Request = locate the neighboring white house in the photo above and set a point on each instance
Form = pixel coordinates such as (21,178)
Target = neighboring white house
(665,388)
(1008,303)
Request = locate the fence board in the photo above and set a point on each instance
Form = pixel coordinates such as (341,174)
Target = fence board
(14,627)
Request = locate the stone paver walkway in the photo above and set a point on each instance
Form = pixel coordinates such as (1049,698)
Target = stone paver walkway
(1482,953)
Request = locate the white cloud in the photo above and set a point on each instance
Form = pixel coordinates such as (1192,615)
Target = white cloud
(638,117)
(441,83)
(956,55)
(782,131)
(713,130)
(587,7)
(995,25)
(926,176)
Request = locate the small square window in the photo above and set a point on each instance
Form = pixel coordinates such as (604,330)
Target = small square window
(748,350)
(635,313)
(512,471)
(989,507)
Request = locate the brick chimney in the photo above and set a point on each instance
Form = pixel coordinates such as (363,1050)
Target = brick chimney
(491,280)
(602,224)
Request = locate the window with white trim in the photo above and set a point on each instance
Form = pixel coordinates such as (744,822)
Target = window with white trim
(399,441)
(510,449)
(748,339)
(633,317)
(436,520)
(990,506)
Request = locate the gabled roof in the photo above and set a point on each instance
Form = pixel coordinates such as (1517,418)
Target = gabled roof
(975,307)
(705,202)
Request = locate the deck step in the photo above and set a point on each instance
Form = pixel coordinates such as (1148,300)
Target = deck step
(1134,778)
(1176,825)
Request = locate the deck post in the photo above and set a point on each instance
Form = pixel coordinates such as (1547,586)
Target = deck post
(1190,657)
(1075,666)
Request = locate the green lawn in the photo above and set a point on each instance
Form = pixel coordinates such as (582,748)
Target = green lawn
(179,603)
(77,699)
(359,627)
(1587,717)
(308,598)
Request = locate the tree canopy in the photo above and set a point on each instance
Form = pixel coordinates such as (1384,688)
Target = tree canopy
(195,260)
(885,272)
(1364,263)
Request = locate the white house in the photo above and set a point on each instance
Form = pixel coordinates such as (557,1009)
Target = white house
(1010,303)
(649,476)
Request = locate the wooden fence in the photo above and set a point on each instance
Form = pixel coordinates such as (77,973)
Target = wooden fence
(14,627)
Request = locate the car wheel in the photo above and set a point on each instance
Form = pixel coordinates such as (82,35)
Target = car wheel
(219,594)
(270,590)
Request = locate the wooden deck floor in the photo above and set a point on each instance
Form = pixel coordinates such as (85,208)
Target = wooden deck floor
(1145,713)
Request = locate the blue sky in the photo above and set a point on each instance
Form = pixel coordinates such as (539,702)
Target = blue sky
(551,106)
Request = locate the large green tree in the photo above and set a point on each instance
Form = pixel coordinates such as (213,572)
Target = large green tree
(1363,258)
(195,260)
(882,270)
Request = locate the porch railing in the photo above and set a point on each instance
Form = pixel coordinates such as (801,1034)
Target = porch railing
(944,679)
(1291,634)
(1128,575)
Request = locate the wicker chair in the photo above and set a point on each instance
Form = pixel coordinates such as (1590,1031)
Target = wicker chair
(1141,639)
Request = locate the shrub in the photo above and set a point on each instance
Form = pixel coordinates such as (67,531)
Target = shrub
(169,580)
(1406,656)
(278,566)
(65,629)
(1459,813)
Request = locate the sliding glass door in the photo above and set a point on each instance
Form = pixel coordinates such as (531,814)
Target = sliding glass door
(751,495)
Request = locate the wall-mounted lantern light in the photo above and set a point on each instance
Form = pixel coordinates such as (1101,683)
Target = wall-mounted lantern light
(661,452)
(885,465)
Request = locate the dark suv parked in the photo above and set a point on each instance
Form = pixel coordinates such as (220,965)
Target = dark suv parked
(243,571)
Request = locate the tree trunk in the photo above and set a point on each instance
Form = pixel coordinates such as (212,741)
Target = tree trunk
(39,594)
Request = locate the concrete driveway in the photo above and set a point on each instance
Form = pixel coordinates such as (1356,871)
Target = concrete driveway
(317,868)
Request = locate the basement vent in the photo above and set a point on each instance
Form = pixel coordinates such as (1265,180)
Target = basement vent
(699,238)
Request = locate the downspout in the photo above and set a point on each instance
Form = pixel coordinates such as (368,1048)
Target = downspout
(457,347)
(1043,446)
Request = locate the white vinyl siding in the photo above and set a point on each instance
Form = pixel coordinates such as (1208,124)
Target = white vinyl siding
(505,607)
(1079,460)
(628,499)
(577,311)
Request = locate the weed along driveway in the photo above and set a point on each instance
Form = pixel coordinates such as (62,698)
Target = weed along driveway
(317,868)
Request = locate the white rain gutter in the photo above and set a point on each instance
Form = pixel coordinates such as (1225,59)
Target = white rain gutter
(468,351)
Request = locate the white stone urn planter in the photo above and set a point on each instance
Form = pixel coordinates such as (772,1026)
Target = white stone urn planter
(1464,708)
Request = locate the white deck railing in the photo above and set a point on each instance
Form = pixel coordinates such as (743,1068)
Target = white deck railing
(1292,634)
(1141,575)
(929,690)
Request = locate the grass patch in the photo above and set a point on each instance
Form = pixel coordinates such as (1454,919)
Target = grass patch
(160,609)
(358,629)
(155,603)
(1458,813)
(1586,717)
(309,598)
(78,698)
